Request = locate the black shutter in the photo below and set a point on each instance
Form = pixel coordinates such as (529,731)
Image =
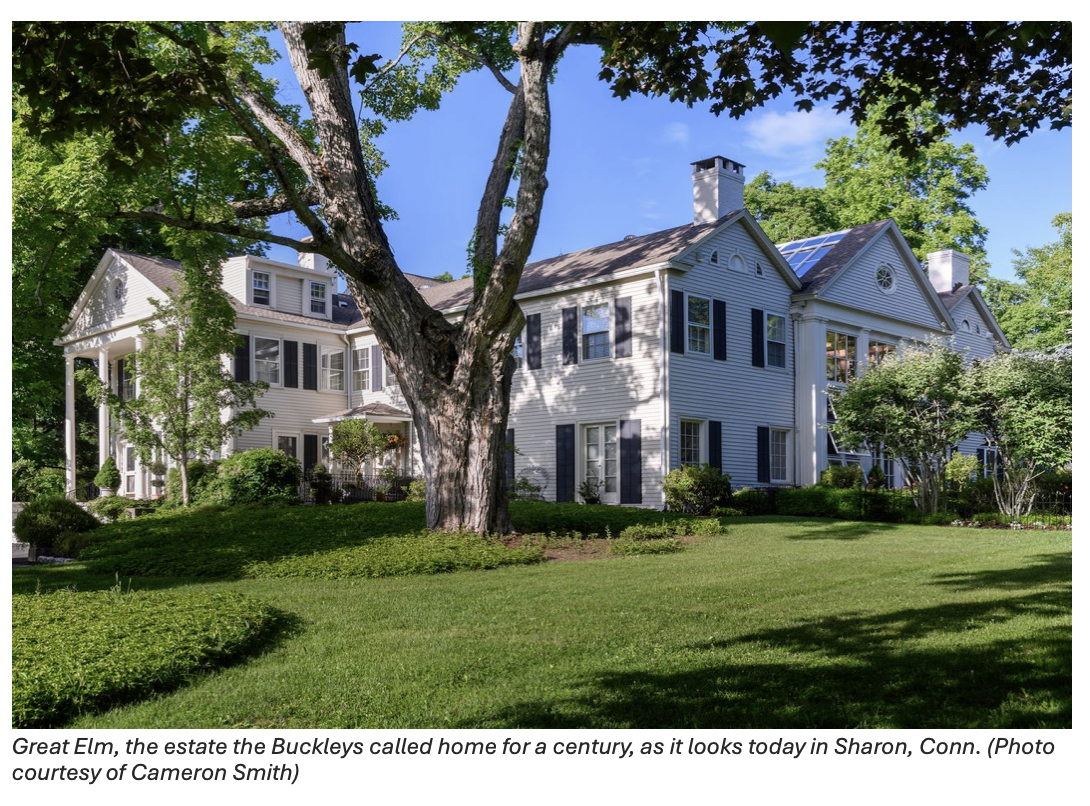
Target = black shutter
(509,458)
(242,360)
(622,327)
(310,452)
(310,366)
(565,463)
(376,368)
(764,464)
(291,364)
(631,462)
(715,444)
(533,341)
(719,330)
(980,460)
(757,332)
(570,337)
(677,322)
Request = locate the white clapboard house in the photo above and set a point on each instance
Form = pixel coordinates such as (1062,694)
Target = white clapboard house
(701,343)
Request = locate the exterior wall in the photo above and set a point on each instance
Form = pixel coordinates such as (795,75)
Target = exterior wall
(103,310)
(236,278)
(592,391)
(289,294)
(734,392)
(974,339)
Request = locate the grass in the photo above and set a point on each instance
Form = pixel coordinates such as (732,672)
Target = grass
(784,622)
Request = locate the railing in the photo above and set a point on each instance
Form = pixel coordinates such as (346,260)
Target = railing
(83,492)
(350,488)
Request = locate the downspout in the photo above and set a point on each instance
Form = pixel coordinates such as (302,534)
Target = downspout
(664,375)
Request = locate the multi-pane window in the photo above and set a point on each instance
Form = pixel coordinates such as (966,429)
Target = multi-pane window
(839,357)
(288,444)
(885,464)
(877,351)
(261,288)
(700,325)
(596,331)
(517,352)
(777,453)
(267,360)
(690,442)
(600,453)
(128,382)
(361,369)
(991,461)
(333,370)
(776,348)
(317,298)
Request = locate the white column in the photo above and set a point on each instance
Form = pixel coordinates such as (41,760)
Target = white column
(70,422)
(103,411)
(862,352)
(140,490)
(810,399)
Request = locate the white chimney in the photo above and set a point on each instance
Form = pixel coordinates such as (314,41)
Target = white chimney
(311,260)
(948,270)
(717,188)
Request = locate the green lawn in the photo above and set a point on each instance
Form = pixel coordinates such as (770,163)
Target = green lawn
(780,623)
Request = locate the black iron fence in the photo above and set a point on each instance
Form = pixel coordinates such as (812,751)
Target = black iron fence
(83,492)
(341,487)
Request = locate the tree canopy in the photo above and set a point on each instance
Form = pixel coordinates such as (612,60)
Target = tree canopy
(202,143)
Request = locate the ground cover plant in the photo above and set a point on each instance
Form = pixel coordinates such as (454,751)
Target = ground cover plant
(76,653)
(781,623)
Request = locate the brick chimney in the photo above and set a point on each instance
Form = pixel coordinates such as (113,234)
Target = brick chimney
(948,270)
(717,188)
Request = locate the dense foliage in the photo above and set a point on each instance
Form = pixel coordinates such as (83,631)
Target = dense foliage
(258,476)
(108,476)
(696,489)
(77,653)
(44,520)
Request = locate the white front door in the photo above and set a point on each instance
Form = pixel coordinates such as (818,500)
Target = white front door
(600,459)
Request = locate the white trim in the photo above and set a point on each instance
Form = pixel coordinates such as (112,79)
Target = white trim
(323,351)
(709,342)
(702,439)
(581,452)
(610,313)
(250,272)
(279,359)
(277,433)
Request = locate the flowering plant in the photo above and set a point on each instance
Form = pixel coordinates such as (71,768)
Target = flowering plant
(395,441)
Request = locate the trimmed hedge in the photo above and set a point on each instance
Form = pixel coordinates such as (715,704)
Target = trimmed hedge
(258,476)
(74,653)
(44,520)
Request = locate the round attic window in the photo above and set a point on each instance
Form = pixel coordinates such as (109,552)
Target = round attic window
(886,279)
(119,289)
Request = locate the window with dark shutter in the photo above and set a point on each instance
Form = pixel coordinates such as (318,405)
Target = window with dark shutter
(757,332)
(570,335)
(715,444)
(631,462)
(376,368)
(509,458)
(242,360)
(764,463)
(310,366)
(565,463)
(622,327)
(310,451)
(291,364)
(533,341)
(719,330)
(677,322)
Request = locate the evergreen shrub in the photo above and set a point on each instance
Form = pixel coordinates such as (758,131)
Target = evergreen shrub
(696,489)
(44,520)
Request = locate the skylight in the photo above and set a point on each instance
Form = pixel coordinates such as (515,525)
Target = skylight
(803,255)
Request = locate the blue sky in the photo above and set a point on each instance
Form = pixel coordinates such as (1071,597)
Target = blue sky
(622,167)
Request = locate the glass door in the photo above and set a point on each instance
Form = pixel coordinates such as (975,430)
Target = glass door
(600,455)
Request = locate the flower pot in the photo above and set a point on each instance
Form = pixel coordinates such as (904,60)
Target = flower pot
(107,491)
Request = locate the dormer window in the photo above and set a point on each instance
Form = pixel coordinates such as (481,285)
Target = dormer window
(261,288)
(317,298)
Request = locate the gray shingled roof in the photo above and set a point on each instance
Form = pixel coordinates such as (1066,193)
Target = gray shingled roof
(952,298)
(370,410)
(840,255)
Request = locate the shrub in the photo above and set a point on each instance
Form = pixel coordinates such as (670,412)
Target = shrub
(591,491)
(321,486)
(876,477)
(108,477)
(418,490)
(44,520)
(111,508)
(753,502)
(29,482)
(666,545)
(674,528)
(201,474)
(726,512)
(695,489)
(524,490)
(76,653)
(842,477)
(258,476)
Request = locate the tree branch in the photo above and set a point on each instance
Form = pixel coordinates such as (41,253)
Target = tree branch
(444,40)
(220,227)
(391,65)
(271,205)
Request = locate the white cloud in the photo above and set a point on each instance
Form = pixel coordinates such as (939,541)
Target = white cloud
(676,133)
(794,134)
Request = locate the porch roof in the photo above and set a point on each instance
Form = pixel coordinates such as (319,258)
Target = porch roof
(376,412)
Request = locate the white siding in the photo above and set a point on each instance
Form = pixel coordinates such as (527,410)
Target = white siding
(734,392)
(289,295)
(235,277)
(103,310)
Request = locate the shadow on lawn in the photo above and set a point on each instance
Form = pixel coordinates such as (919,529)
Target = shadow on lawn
(820,529)
(848,671)
(1046,569)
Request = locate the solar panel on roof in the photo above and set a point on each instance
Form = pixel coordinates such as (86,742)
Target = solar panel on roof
(802,255)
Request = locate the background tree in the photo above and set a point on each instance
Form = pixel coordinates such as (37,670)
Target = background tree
(183,388)
(788,212)
(1036,312)
(915,405)
(187,99)
(1024,403)
(355,442)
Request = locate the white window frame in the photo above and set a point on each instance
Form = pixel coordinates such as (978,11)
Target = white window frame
(358,372)
(298,437)
(326,369)
(583,333)
(773,431)
(991,461)
(872,360)
(322,298)
(701,442)
(268,275)
(518,351)
(613,497)
(852,368)
(279,360)
(769,340)
(892,287)
(690,325)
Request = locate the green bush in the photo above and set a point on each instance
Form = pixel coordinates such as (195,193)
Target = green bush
(1053,487)
(418,490)
(696,490)
(321,486)
(258,476)
(44,520)
(75,653)
(586,520)
(29,482)
(674,528)
(666,545)
(876,477)
(753,502)
(108,477)
(201,476)
(842,477)
(727,512)
(110,508)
